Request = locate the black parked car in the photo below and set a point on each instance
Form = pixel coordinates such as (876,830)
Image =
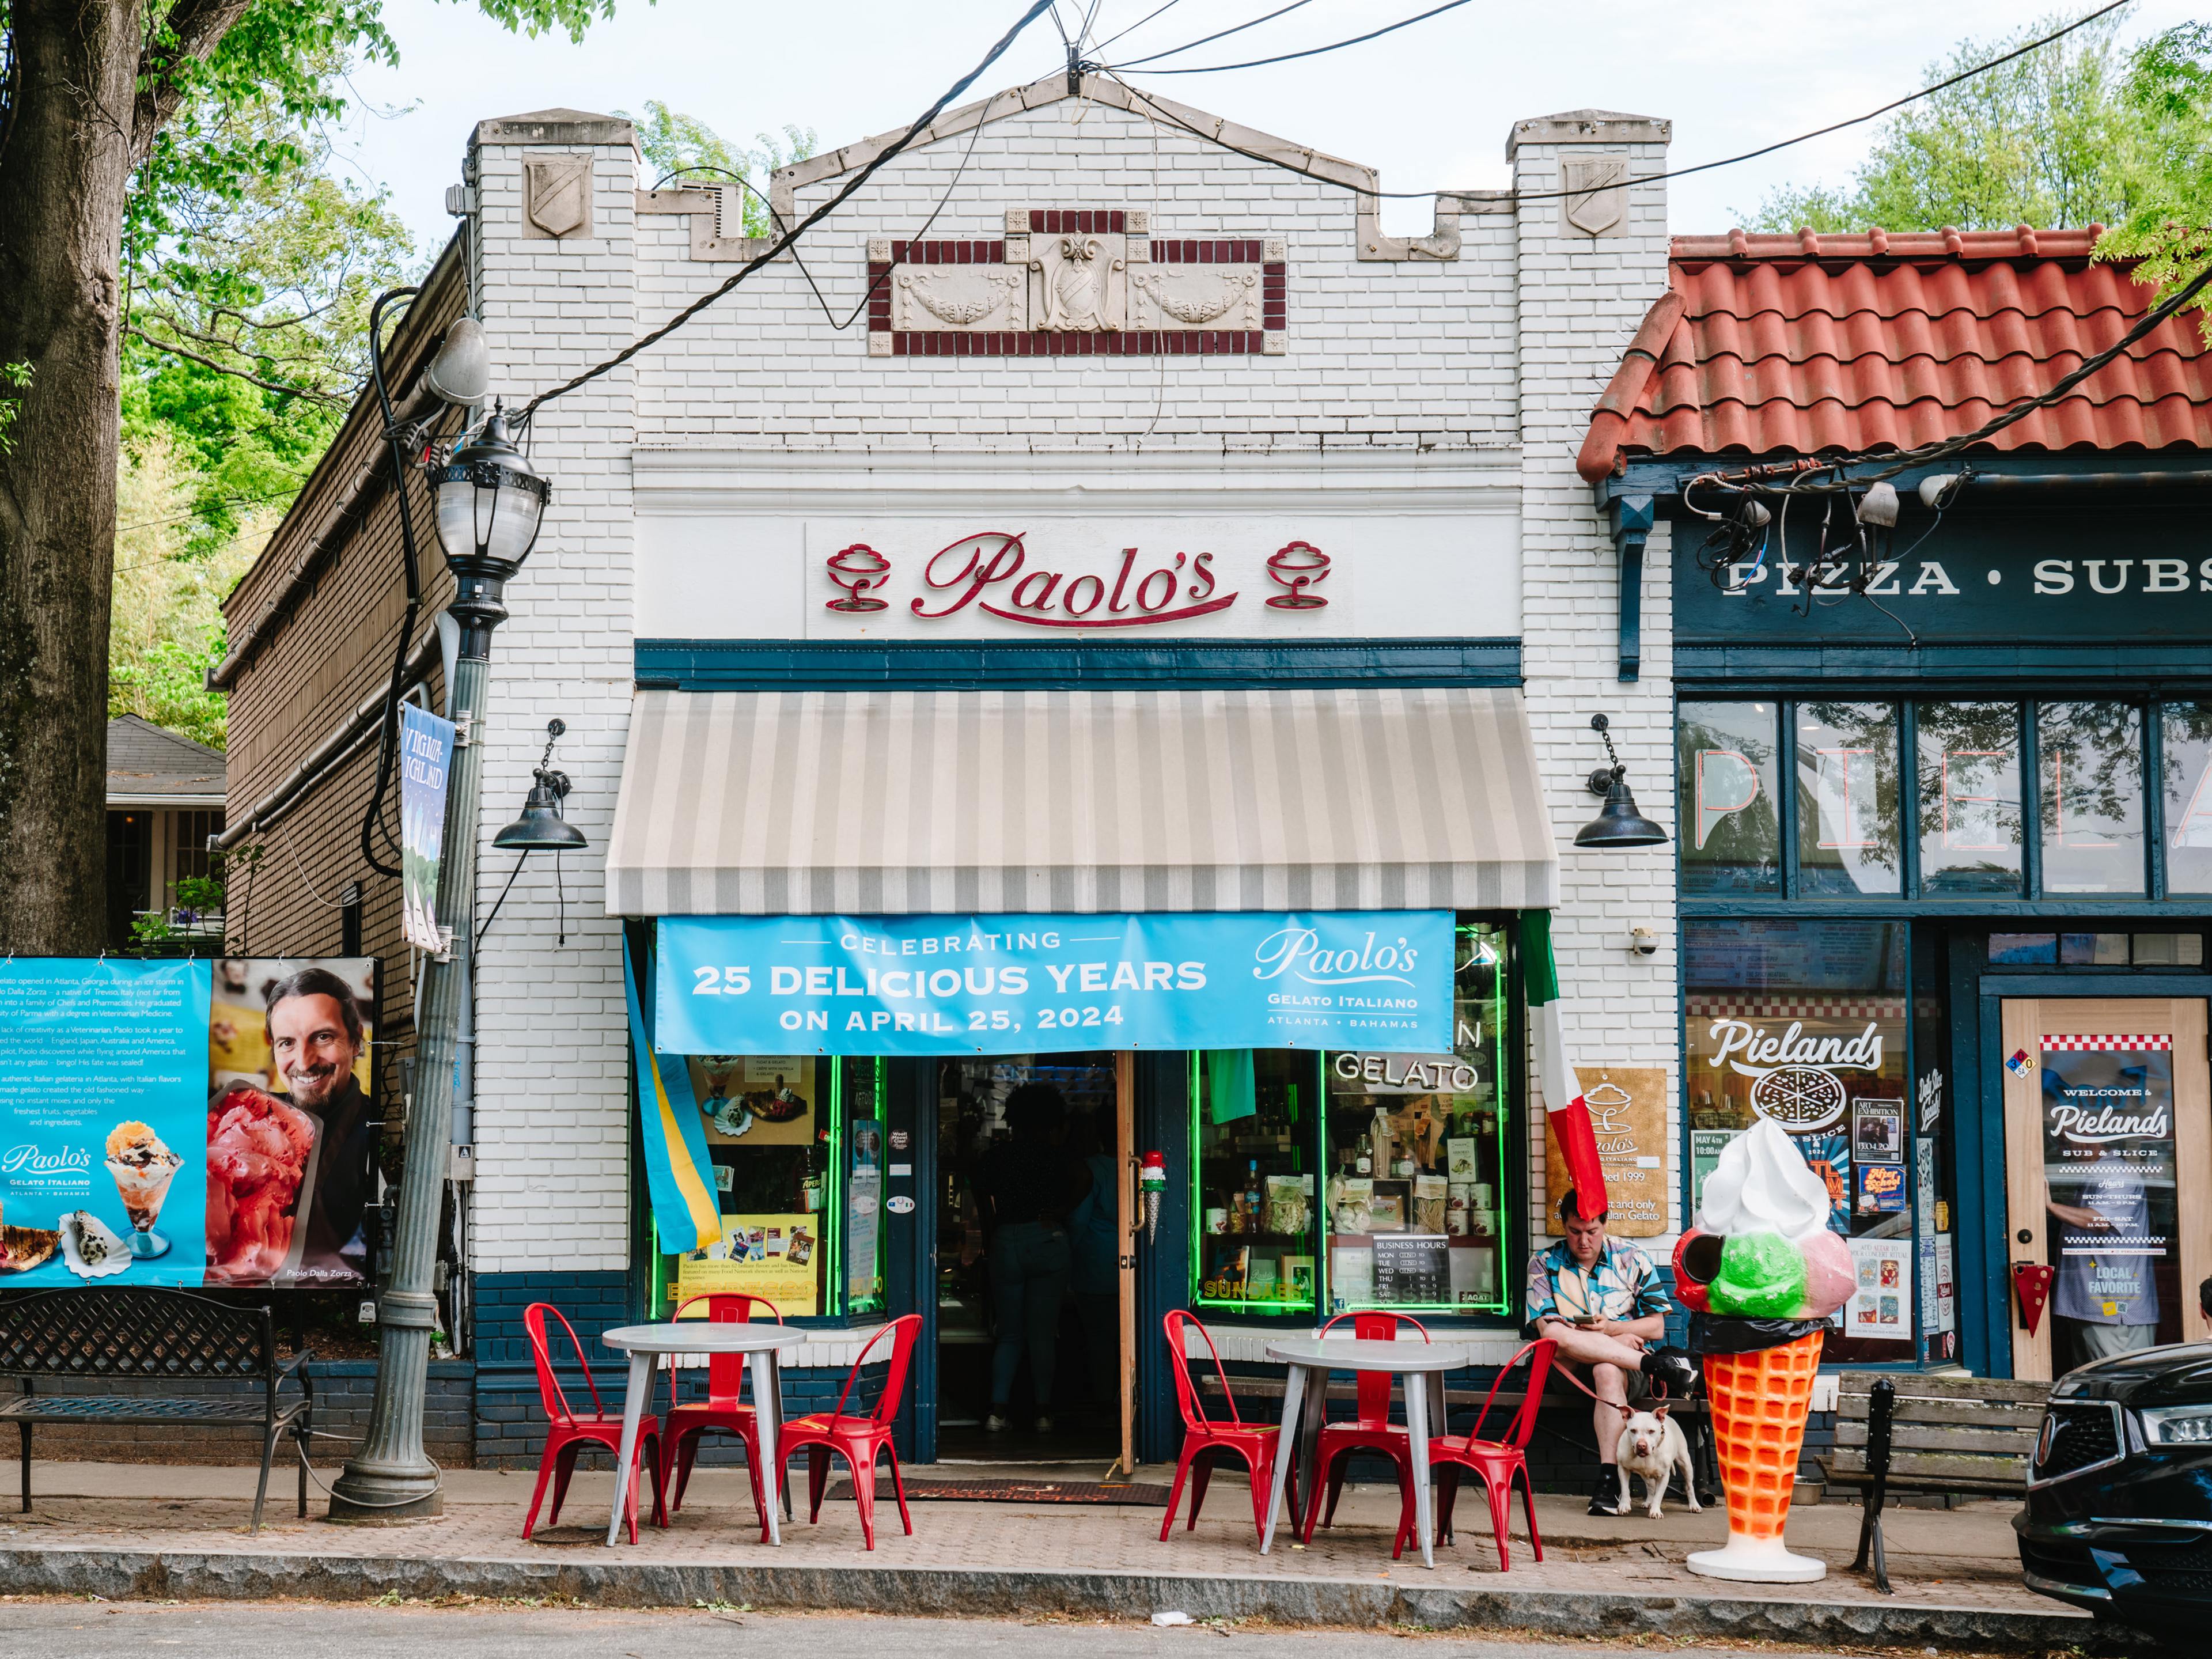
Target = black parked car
(2119,1491)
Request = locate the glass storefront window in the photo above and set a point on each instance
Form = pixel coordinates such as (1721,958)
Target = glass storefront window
(1970,811)
(1252,1147)
(2091,757)
(2187,737)
(768,1136)
(1848,839)
(1804,1023)
(1728,763)
(858,1143)
(1417,1150)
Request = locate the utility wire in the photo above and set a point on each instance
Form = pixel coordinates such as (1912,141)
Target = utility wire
(1335,45)
(1219,35)
(1641,178)
(792,236)
(1140,24)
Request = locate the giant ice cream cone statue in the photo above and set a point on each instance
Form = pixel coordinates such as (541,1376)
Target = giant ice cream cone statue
(1760,1273)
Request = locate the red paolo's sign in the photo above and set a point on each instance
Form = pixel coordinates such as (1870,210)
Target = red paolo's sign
(994,573)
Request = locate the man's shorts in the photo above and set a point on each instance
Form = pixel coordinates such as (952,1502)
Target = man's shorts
(1638,1385)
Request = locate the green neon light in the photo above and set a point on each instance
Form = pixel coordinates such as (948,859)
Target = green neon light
(1306,1304)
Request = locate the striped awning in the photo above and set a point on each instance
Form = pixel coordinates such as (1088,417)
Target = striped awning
(788,803)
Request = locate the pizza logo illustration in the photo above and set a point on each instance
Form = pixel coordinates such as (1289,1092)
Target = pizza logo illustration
(1801,1098)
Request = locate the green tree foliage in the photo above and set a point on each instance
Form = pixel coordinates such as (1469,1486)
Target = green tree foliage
(674,143)
(2081,132)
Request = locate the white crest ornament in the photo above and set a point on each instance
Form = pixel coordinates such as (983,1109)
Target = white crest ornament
(1082,289)
(560,201)
(1597,203)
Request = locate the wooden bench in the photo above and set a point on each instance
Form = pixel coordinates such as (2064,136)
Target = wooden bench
(157,1336)
(1908,1432)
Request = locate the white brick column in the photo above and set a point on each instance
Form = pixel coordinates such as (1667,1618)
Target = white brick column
(552,1067)
(1581,296)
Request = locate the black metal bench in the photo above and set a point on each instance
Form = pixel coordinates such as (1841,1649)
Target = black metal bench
(1906,1432)
(80,1336)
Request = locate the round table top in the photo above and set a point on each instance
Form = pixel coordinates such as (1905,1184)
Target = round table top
(702,1336)
(1408,1354)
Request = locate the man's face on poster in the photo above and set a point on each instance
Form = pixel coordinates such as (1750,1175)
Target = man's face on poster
(308,1039)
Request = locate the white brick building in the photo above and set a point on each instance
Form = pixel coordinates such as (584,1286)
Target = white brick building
(1076,320)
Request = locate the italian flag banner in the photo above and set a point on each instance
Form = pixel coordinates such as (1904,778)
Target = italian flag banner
(1569,1114)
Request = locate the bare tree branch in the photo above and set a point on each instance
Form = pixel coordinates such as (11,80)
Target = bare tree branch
(176,350)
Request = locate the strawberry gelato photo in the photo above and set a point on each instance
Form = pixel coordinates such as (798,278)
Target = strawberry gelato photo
(258,1152)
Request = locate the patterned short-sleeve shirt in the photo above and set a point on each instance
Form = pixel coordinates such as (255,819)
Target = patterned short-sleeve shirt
(1621,1284)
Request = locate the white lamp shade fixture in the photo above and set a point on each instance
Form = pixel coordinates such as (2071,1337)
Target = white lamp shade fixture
(461,372)
(490,499)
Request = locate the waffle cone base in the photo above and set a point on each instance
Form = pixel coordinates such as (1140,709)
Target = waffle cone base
(1760,1402)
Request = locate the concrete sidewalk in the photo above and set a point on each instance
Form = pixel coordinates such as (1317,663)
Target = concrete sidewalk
(129,1531)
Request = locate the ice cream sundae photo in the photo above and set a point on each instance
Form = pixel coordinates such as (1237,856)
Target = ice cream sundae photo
(1761,1273)
(142,1168)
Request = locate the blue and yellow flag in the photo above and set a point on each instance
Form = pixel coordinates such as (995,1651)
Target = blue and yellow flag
(679,1175)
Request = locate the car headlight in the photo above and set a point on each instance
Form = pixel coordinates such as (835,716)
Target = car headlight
(2177,1425)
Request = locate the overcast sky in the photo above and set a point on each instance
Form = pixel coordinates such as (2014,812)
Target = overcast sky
(1429,105)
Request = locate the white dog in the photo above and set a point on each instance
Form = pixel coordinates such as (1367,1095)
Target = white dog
(1652,1445)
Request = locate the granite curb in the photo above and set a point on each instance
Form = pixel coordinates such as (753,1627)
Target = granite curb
(144,1575)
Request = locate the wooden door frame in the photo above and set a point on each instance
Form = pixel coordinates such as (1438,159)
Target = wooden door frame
(1125,1249)
(2022,1023)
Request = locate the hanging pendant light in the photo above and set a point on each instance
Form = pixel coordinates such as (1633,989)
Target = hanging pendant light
(1618,824)
(541,829)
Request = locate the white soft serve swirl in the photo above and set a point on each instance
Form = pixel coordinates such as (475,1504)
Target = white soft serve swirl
(1763,1185)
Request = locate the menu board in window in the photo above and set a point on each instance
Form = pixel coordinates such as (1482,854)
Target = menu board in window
(1412,1267)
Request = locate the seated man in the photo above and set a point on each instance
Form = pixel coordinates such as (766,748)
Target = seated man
(1601,1300)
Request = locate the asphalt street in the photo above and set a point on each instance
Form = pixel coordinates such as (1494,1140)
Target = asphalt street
(83,1630)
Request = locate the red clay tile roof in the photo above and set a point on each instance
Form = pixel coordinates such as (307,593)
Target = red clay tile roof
(1790,345)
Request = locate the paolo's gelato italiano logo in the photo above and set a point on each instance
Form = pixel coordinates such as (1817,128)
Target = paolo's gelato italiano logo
(1302,954)
(27,1159)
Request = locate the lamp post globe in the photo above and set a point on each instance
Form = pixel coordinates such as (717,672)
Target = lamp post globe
(490,501)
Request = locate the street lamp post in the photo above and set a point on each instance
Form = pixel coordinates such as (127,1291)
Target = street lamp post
(490,502)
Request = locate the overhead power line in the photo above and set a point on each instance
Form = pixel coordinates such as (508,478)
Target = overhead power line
(791,236)
(1315,52)
(1175,120)
(1140,24)
(1205,39)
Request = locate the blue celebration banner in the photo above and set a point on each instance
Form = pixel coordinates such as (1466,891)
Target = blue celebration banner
(1023,984)
(104,1108)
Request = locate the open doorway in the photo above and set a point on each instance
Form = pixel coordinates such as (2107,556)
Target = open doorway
(1028,1319)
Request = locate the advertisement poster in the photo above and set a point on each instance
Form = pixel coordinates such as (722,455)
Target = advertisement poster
(426,748)
(1880,1307)
(772,1256)
(1705,1147)
(760,1099)
(1881,1189)
(1019,984)
(186,1122)
(1829,1156)
(2108,1164)
(1628,1111)
(289,1139)
(1946,1295)
(863,1196)
(1878,1131)
(103,1091)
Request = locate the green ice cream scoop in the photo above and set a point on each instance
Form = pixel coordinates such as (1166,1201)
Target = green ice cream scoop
(1762,1276)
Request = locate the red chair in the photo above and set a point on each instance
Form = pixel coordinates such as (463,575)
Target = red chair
(567,1433)
(858,1440)
(1257,1443)
(1499,1463)
(721,1408)
(1371,1430)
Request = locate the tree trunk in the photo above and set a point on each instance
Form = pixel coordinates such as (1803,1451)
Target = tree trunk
(63,177)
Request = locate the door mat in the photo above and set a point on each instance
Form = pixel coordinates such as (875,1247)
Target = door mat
(998,1491)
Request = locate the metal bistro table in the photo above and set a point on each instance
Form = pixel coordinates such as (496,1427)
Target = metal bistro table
(645,1344)
(1419,1367)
